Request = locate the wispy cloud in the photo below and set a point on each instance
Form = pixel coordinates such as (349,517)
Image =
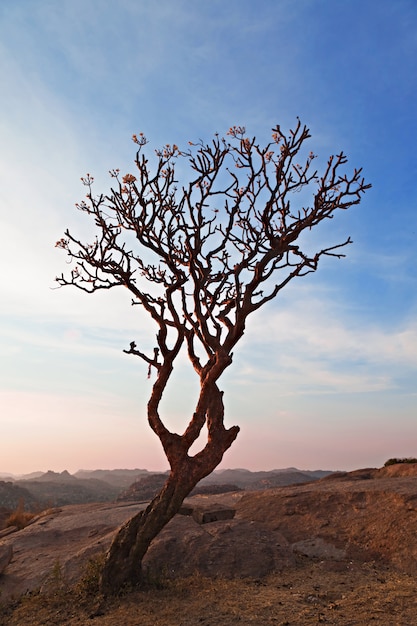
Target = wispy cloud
(315,345)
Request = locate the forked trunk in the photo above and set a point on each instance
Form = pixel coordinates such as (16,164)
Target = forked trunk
(123,565)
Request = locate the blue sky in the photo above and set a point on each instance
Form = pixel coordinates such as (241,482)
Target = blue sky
(326,375)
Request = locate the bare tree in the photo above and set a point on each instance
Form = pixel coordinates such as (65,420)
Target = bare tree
(200,257)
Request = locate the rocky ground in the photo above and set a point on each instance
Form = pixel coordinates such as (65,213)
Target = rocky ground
(342,550)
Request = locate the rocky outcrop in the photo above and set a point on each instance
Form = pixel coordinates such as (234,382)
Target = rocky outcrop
(228,549)
(364,514)
(337,521)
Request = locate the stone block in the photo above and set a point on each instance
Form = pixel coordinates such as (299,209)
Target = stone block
(213,514)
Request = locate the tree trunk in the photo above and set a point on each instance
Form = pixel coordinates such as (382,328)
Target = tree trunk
(123,564)
(124,559)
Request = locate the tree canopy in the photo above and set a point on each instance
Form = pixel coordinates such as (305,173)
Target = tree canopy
(202,238)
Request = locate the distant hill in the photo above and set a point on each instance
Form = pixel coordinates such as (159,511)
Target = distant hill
(143,489)
(13,477)
(46,489)
(119,477)
(255,481)
(224,481)
(60,490)
(5,476)
(11,495)
(49,476)
(148,487)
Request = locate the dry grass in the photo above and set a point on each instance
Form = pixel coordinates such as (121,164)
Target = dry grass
(19,517)
(311,593)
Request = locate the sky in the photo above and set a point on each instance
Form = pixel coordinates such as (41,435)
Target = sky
(326,374)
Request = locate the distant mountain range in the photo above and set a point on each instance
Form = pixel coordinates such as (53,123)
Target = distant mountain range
(118,477)
(44,489)
(245,479)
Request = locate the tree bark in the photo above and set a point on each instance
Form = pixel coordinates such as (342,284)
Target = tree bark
(123,566)
(124,559)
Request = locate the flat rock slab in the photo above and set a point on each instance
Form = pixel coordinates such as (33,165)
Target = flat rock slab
(61,540)
(56,547)
(317,548)
(228,549)
(333,520)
